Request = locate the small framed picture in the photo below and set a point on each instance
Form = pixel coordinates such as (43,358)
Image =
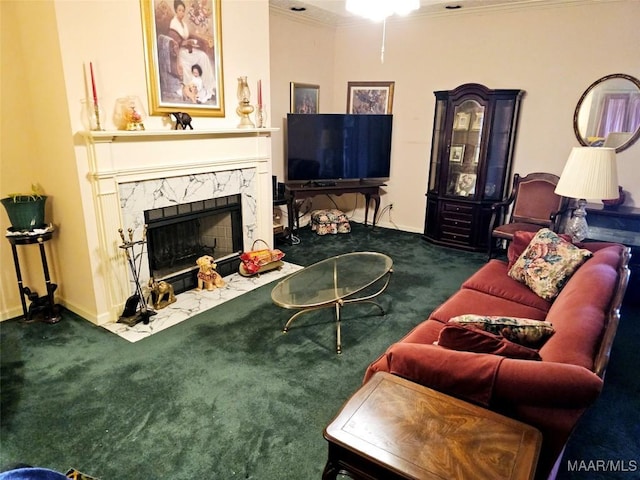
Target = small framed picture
(476,154)
(457,153)
(370,97)
(478,118)
(461,122)
(466,184)
(305,98)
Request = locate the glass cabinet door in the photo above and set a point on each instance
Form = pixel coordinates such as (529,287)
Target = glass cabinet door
(438,132)
(499,148)
(464,150)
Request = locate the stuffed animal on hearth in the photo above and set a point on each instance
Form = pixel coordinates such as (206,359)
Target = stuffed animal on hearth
(207,275)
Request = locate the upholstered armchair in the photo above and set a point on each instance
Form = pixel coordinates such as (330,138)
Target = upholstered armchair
(534,205)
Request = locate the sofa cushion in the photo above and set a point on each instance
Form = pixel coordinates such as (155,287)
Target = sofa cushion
(426,332)
(472,339)
(531,333)
(520,242)
(467,300)
(492,279)
(547,263)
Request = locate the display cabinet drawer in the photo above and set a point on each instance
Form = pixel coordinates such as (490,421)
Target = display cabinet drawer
(458,237)
(457,208)
(461,221)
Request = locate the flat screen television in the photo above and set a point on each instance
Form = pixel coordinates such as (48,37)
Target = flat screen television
(332,147)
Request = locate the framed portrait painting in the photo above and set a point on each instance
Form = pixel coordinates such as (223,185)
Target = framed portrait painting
(370,97)
(183,53)
(304,98)
(466,184)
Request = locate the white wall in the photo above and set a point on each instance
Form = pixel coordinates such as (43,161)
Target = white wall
(53,41)
(553,53)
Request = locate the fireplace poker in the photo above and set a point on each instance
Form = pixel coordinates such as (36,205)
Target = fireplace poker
(135,270)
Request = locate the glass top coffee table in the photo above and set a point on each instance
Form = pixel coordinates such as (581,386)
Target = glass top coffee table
(334,282)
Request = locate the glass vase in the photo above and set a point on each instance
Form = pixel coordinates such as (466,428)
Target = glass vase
(129,113)
(92,115)
(261,116)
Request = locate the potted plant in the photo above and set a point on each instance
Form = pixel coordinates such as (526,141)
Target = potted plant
(26,210)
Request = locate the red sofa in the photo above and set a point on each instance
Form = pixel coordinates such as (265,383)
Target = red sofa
(550,394)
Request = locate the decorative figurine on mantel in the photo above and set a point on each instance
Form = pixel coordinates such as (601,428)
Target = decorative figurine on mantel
(182,119)
(132,314)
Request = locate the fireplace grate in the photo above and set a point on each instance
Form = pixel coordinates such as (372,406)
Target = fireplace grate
(179,234)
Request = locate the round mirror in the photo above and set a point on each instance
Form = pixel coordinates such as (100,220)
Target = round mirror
(608,113)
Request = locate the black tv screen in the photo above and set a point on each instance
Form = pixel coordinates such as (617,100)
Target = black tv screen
(338,146)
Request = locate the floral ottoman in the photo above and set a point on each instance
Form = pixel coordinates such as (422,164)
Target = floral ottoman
(329,221)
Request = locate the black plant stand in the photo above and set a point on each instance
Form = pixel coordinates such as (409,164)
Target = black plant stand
(41,308)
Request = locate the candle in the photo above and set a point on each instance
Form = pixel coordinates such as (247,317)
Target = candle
(93,85)
(259,93)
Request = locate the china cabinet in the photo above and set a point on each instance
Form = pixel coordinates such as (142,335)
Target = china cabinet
(474,133)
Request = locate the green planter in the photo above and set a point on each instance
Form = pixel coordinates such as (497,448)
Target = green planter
(26,212)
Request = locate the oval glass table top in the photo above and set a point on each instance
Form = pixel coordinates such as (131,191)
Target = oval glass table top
(331,280)
(608,113)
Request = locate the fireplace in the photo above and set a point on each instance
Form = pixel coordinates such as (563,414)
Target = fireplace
(137,177)
(178,235)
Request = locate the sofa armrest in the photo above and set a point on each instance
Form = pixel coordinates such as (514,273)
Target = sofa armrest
(464,375)
(546,384)
(488,379)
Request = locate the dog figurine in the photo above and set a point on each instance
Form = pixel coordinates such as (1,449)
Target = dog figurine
(182,119)
(207,276)
(161,293)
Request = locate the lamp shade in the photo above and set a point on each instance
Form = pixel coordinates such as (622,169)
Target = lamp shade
(590,173)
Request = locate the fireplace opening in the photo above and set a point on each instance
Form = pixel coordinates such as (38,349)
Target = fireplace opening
(180,234)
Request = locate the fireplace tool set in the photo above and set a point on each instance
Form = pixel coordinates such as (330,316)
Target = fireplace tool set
(136,309)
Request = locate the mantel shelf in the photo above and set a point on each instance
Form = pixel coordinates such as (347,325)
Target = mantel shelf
(108,136)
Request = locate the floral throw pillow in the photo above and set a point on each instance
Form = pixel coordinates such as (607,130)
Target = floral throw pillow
(524,331)
(547,263)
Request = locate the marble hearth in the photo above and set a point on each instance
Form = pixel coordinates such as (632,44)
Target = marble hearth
(131,172)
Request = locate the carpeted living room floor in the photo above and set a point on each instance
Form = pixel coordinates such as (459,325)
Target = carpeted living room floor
(227,395)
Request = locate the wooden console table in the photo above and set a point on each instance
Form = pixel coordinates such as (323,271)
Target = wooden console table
(396,429)
(621,225)
(298,191)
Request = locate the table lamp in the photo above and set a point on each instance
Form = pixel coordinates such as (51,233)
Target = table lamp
(590,172)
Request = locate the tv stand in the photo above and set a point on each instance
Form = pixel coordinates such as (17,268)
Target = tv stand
(299,191)
(322,183)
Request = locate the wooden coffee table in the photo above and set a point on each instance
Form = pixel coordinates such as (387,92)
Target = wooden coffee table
(396,429)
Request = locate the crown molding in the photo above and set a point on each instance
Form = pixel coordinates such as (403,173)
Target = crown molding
(322,18)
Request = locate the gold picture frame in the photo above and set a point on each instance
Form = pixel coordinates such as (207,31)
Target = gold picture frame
(462,120)
(457,153)
(183,56)
(478,119)
(370,97)
(304,98)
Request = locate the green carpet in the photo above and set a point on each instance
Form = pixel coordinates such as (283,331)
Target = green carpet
(222,395)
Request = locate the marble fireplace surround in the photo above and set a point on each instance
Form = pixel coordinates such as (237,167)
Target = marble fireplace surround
(131,172)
